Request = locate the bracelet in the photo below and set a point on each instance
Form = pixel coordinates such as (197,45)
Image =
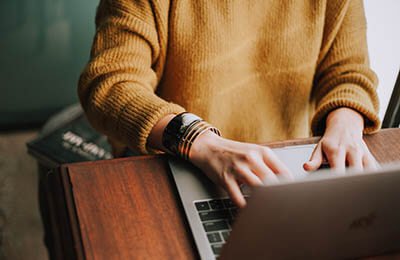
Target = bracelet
(175,129)
(188,139)
(181,132)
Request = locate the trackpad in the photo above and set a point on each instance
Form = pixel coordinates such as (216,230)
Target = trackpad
(294,157)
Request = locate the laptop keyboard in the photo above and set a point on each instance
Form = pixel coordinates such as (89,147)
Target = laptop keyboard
(217,216)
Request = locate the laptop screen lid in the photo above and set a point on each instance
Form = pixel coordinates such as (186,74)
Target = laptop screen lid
(321,218)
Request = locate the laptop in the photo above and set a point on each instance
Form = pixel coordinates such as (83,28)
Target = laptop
(315,216)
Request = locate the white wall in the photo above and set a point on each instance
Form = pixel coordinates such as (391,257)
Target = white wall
(383,21)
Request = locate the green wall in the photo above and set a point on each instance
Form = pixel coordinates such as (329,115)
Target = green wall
(44,44)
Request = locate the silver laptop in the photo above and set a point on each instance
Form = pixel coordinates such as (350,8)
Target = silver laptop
(311,217)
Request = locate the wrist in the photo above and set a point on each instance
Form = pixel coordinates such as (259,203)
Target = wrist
(345,117)
(203,145)
(182,131)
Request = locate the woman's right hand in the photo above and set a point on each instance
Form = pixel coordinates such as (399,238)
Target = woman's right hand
(229,163)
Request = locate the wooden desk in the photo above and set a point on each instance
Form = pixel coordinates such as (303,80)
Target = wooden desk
(129,208)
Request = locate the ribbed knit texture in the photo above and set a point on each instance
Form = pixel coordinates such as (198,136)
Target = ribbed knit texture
(258,70)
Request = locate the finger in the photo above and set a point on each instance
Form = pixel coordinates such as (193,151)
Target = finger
(336,159)
(354,159)
(262,171)
(276,165)
(370,162)
(316,159)
(271,178)
(249,178)
(233,189)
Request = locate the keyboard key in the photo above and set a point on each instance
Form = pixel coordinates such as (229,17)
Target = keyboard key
(214,237)
(216,249)
(215,226)
(216,204)
(228,203)
(225,235)
(214,215)
(202,205)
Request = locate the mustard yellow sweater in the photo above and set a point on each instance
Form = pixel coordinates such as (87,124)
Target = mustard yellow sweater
(258,70)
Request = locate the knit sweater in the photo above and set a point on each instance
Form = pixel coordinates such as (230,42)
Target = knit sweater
(257,70)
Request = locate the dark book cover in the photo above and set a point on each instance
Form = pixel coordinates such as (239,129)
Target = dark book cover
(68,137)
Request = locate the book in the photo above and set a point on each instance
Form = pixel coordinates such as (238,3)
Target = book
(68,137)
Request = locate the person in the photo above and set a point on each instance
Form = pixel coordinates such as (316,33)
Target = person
(254,71)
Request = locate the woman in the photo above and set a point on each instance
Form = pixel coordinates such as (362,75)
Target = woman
(255,70)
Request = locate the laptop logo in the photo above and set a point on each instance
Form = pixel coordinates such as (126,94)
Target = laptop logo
(363,221)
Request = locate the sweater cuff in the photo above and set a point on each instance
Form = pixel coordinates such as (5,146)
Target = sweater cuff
(351,96)
(152,113)
(139,115)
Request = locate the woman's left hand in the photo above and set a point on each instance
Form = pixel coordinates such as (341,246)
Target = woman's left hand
(342,143)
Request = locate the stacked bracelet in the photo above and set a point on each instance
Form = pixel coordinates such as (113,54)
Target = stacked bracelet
(182,131)
(190,136)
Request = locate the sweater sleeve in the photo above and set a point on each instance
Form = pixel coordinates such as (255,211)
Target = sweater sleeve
(343,77)
(116,89)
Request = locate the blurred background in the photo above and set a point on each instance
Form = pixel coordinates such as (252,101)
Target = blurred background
(44,45)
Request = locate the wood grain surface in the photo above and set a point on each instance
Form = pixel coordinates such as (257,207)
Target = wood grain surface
(129,208)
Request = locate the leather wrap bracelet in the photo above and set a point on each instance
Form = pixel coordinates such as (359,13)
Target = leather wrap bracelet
(182,131)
